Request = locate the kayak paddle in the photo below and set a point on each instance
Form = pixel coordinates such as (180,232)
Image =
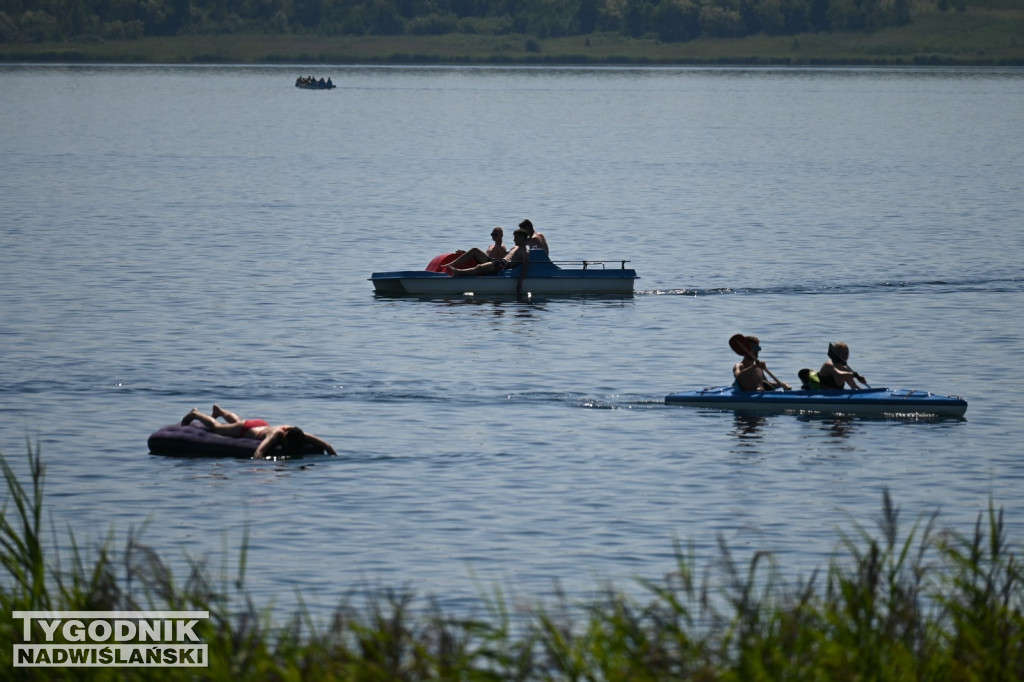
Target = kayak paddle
(858,376)
(739,345)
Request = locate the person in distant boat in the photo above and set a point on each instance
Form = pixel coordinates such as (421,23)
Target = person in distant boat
(497,249)
(330,83)
(749,372)
(836,373)
(536,239)
(482,264)
(292,438)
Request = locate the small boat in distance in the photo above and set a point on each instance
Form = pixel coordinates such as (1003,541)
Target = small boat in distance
(311,83)
(878,402)
(577,278)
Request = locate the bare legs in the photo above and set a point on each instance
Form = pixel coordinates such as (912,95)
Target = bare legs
(233,428)
(229,417)
(481,269)
(472,257)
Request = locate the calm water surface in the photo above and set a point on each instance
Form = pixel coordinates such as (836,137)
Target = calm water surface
(178,236)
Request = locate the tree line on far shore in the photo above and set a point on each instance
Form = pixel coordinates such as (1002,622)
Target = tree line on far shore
(664,20)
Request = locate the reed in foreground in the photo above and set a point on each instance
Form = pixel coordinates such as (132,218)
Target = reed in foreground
(928,605)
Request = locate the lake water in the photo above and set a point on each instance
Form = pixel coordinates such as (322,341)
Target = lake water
(179,236)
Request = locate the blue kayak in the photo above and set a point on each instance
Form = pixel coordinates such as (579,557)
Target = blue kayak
(864,401)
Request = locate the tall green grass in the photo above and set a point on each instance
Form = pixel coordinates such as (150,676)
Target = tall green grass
(929,604)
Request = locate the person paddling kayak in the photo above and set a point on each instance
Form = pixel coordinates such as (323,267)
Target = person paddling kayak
(836,373)
(749,372)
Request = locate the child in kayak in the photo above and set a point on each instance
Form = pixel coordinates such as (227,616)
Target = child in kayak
(836,373)
(749,372)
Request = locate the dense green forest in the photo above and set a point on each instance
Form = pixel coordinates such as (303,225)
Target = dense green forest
(664,20)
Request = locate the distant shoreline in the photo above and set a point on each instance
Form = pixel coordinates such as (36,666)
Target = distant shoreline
(972,38)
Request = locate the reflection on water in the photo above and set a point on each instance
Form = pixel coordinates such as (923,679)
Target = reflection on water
(498,308)
(468,297)
(838,426)
(747,426)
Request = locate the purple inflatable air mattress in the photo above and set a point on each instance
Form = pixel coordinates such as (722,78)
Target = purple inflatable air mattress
(194,440)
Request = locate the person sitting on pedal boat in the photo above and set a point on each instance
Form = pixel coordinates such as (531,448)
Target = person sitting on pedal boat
(518,256)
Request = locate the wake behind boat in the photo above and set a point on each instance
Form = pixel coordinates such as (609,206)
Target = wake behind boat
(545,277)
(865,401)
